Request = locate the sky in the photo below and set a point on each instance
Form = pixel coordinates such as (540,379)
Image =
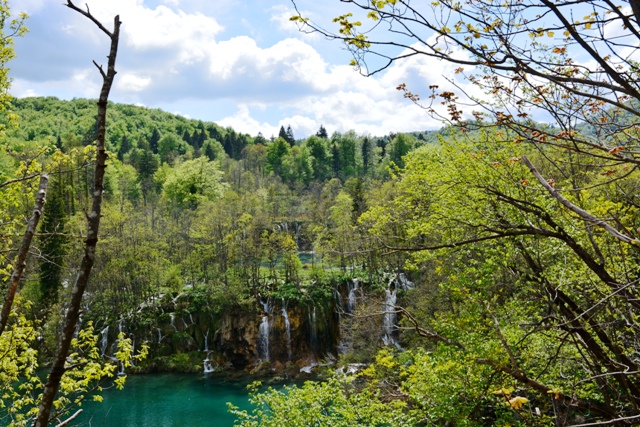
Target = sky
(237,63)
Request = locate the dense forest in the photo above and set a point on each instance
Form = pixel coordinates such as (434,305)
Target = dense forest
(481,275)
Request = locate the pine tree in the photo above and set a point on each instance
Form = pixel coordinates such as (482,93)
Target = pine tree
(208,151)
(322,132)
(260,139)
(366,155)
(124,148)
(283,134)
(153,141)
(290,138)
(52,245)
(186,137)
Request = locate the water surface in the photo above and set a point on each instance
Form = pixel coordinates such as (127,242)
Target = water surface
(167,400)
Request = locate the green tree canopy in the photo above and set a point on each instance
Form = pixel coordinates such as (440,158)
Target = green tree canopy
(192,182)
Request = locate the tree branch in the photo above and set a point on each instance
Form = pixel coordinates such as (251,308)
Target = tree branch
(577,210)
(16,275)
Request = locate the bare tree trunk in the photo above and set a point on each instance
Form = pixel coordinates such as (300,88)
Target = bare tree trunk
(23,251)
(93,224)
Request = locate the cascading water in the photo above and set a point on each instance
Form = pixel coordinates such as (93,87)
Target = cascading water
(184,323)
(404,283)
(206,341)
(208,366)
(314,329)
(287,327)
(352,298)
(340,304)
(173,321)
(104,341)
(390,316)
(263,333)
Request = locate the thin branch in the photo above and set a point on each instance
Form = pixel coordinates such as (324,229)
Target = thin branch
(425,333)
(71,418)
(505,344)
(577,210)
(608,422)
(13,181)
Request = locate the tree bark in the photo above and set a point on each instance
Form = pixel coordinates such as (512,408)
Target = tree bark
(23,251)
(93,224)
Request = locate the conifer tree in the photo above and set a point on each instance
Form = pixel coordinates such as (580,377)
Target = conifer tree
(322,132)
(290,138)
(52,244)
(124,148)
(367,155)
(154,140)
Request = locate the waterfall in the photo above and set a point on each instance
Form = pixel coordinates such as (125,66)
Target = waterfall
(104,341)
(263,333)
(173,320)
(352,297)
(263,339)
(287,327)
(340,304)
(208,367)
(159,335)
(314,330)
(390,316)
(206,341)
(404,283)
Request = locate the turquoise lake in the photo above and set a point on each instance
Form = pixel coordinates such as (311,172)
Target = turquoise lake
(167,400)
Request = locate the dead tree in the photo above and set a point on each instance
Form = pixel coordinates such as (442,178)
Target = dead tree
(23,251)
(58,368)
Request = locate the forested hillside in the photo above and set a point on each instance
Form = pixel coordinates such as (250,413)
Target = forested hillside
(184,189)
(482,275)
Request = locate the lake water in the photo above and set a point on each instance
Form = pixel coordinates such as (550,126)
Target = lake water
(167,400)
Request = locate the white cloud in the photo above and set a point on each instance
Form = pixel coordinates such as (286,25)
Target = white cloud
(280,14)
(178,113)
(132,83)
(29,93)
(85,79)
(242,121)
(288,60)
(187,35)
(301,126)
(179,60)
